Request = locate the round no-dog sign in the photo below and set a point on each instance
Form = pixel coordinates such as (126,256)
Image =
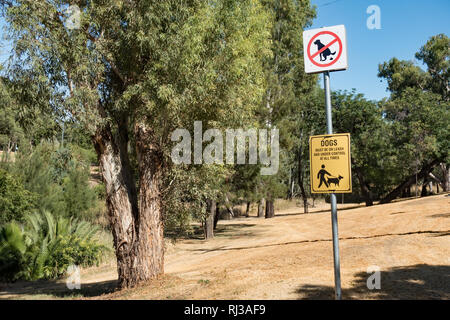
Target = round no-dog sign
(325,49)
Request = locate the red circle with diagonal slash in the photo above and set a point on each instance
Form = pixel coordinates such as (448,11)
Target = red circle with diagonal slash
(336,39)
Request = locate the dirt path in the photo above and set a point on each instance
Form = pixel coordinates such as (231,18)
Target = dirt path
(290,257)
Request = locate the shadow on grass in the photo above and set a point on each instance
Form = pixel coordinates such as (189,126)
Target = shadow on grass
(442,234)
(36,289)
(234,230)
(224,248)
(223,230)
(440,215)
(355,206)
(407,283)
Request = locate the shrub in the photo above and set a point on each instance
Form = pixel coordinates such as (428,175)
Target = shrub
(59,178)
(100,191)
(88,156)
(78,197)
(34,169)
(15,201)
(12,249)
(46,247)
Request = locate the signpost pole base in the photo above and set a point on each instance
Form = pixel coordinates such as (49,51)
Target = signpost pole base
(337,268)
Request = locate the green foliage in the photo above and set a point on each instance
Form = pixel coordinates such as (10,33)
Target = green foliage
(186,195)
(12,249)
(58,177)
(436,55)
(100,191)
(78,197)
(60,164)
(46,247)
(418,110)
(288,89)
(420,126)
(15,200)
(371,147)
(84,155)
(11,133)
(405,74)
(402,74)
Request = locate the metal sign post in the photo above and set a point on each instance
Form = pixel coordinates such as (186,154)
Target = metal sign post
(334,220)
(325,50)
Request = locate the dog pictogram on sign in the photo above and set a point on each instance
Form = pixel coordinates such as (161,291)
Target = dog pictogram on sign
(325,49)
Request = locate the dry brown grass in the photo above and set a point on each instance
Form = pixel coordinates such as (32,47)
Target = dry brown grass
(290,257)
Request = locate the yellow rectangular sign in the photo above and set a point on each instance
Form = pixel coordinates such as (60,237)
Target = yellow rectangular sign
(330,163)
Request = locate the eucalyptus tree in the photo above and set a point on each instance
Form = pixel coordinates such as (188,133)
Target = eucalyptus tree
(287,85)
(420,136)
(132,72)
(370,146)
(418,111)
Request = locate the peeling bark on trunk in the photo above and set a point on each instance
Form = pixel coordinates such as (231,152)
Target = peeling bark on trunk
(121,199)
(135,222)
(149,249)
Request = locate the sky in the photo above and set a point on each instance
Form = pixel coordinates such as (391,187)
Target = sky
(406,25)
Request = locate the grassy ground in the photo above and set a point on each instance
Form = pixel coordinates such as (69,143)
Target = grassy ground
(290,257)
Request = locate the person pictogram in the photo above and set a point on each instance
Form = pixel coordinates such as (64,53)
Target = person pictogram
(321,175)
(331,179)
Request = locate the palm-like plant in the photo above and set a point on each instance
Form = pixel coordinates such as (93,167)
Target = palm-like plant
(12,247)
(47,246)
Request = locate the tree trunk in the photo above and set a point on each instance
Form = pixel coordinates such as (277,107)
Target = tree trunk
(432,178)
(149,249)
(270,212)
(216,216)
(291,185)
(404,192)
(261,208)
(446,176)
(293,188)
(364,187)
(426,169)
(228,206)
(304,197)
(209,219)
(135,222)
(301,181)
(247,209)
(424,192)
(121,201)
